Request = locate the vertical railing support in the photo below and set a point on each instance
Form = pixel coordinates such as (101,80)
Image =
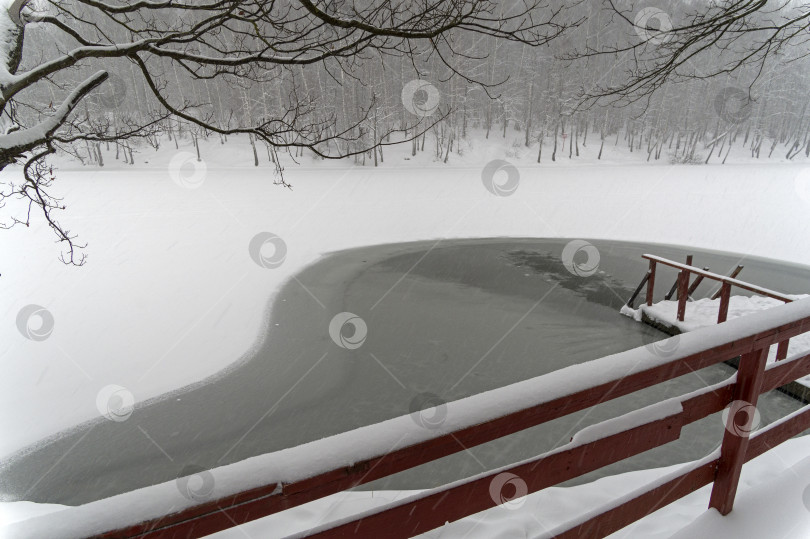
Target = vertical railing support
(782,350)
(698,280)
(651,284)
(675,285)
(733,275)
(632,299)
(683,294)
(725,298)
(740,422)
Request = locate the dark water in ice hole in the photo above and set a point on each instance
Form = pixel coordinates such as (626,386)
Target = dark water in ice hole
(432,313)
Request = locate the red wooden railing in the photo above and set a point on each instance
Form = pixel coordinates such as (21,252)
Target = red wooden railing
(684,290)
(591,449)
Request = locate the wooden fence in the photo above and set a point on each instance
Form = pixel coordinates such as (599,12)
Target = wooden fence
(591,449)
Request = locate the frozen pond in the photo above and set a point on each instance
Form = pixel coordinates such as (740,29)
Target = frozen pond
(447,319)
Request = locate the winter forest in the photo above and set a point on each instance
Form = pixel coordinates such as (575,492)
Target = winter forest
(681,81)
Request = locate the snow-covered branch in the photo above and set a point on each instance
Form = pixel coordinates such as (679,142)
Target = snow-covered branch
(15,144)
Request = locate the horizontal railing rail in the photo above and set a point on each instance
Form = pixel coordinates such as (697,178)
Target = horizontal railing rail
(426,512)
(592,448)
(720,278)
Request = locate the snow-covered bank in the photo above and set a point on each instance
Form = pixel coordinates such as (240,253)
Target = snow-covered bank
(171,294)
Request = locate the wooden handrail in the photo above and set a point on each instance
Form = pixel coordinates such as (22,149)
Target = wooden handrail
(733,275)
(697,282)
(597,446)
(429,510)
(720,278)
(694,477)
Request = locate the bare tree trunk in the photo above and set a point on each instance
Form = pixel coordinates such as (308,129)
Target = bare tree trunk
(464,119)
(252,145)
(373,99)
(540,138)
(554,151)
(529,113)
(602,135)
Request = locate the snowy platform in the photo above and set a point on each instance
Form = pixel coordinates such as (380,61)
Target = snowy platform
(703,312)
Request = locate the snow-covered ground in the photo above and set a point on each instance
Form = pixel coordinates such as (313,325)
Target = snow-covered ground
(171,293)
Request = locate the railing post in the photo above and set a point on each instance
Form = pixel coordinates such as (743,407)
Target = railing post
(651,284)
(735,439)
(683,293)
(725,298)
(676,284)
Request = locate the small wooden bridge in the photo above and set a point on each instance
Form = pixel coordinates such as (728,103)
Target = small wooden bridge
(684,287)
(683,290)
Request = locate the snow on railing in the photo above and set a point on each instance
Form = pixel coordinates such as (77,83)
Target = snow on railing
(271,483)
